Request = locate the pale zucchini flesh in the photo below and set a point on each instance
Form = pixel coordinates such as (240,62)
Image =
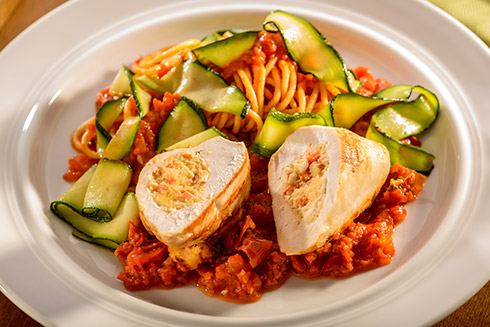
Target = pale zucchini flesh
(309,48)
(105,118)
(197,139)
(106,189)
(278,126)
(185,120)
(203,86)
(120,85)
(121,143)
(223,52)
(108,234)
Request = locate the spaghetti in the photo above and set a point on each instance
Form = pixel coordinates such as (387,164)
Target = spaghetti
(265,74)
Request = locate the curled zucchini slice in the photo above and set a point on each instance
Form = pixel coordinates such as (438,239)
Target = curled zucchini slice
(405,154)
(73,198)
(185,120)
(277,126)
(398,119)
(405,118)
(203,86)
(222,52)
(105,118)
(393,123)
(125,84)
(106,189)
(97,194)
(109,234)
(347,108)
(310,49)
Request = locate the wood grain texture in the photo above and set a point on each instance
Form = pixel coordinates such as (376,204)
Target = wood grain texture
(475,312)
(7,7)
(24,14)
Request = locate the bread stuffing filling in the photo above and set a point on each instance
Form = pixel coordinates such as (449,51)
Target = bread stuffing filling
(304,179)
(179,181)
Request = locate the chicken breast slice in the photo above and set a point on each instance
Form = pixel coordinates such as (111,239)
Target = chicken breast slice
(320,180)
(184,195)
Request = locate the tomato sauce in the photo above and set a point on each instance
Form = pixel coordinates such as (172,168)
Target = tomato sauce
(77,166)
(247,261)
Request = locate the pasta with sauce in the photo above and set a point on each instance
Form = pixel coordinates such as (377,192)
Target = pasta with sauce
(242,261)
(267,76)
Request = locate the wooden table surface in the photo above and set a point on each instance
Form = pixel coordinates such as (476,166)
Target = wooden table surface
(15,16)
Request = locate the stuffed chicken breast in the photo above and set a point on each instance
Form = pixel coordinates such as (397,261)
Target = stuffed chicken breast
(320,180)
(184,195)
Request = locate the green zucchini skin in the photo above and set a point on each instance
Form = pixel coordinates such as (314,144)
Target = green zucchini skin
(108,244)
(405,154)
(202,85)
(105,118)
(185,120)
(309,49)
(120,84)
(403,119)
(73,198)
(141,97)
(277,126)
(398,119)
(106,189)
(222,52)
(121,143)
(108,234)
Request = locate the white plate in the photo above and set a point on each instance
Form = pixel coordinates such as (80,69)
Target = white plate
(52,72)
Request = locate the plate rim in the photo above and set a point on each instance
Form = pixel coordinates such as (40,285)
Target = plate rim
(58,10)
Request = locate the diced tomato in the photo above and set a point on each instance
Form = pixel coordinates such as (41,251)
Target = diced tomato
(168,102)
(186,196)
(102,97)
(77,166)
(369,85)
(248,224)
(300,202)
(256,250)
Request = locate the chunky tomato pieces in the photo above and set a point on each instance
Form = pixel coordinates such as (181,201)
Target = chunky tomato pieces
(77,166)
(247,261)
(370,85)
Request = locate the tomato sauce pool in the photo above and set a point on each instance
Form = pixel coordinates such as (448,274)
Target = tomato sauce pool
(247,261)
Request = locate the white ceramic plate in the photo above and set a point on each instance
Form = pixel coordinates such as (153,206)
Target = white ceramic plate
(52,72)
